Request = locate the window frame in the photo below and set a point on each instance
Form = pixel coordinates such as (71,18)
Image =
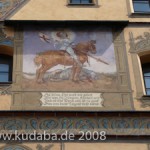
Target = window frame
(144,67)
(9,60)
(80,4)
(138,13)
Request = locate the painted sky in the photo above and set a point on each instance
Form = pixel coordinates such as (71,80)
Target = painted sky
(104,46)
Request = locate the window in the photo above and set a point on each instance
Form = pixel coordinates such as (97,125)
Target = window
(141,6)
(146,75)
(5,68)
(81,2)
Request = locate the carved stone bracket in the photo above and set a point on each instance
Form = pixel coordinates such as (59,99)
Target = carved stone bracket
(140,43)
(145,101)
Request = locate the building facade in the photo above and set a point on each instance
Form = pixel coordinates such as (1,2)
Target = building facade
(75,66)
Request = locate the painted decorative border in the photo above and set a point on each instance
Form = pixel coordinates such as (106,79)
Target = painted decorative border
(133,126)
(24,147)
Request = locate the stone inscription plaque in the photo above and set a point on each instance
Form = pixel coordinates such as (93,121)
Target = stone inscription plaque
(72,99)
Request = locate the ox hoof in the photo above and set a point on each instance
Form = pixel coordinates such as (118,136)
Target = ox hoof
(40,81)
(75,81)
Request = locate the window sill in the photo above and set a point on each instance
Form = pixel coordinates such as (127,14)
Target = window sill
(145,97)
(90,4)
(145,101)
(140,14)
(5,83)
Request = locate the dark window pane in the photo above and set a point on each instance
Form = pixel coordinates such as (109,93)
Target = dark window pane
(85,1)
(75,1)
(4,77)
(80,1)
(147,82)
(147,74)
(4,68)
(148,91)
(141,5)
(146,70)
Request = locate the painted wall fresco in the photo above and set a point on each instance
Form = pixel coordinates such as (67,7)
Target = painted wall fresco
(69,60)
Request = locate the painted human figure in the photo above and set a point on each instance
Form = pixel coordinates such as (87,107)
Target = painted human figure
(67,46)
